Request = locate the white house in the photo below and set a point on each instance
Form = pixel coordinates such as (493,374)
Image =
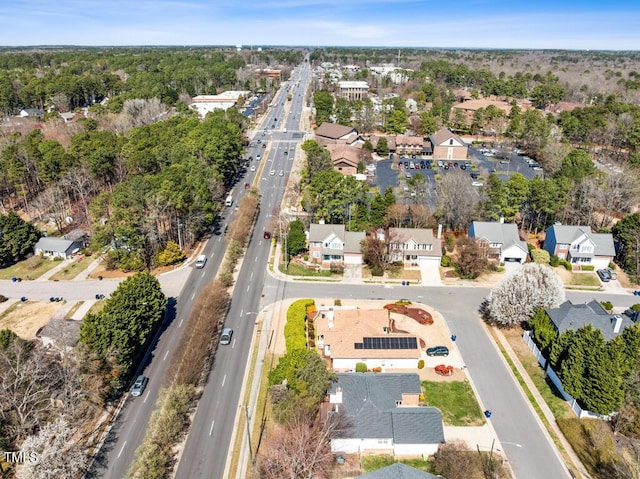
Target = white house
(57,247)
(347,336)
(502,240)
(383,413)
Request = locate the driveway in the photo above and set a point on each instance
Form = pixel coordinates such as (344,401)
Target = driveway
(430,273)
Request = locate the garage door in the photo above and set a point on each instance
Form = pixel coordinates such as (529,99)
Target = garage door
(430,272)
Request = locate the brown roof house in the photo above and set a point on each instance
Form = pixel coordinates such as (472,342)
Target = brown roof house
(328,133)
(448,146)
(345,158)
(409,145)
(334,244)
(348,336)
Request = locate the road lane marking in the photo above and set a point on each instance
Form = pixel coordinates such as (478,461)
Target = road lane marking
(165,356)
(233,344)
(180,324)
(241,311)
(146,396)
(122,448)
(248,288)
(224,379)
(193,295)
(251,277)
(202,275)
(256,260)
(211,429)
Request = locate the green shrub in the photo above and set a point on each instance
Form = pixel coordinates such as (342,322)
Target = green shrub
(587,267)
(540,256)
(636,307)
(361,367)
(421,364)
(294,329)
(445,262)
(337,302)
(377,271)
(566,265)
(226,278)
(449,243)
(554,261)
(612,266)
(499,269)
(171,254)
(608,305)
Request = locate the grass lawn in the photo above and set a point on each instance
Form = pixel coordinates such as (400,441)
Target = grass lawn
(373,463)
(97,306)
(558,406)
(584,279)
(30,268)
(456,401)
(74,269)
(299,270)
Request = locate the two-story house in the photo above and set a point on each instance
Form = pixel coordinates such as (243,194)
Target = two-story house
(448,146)
(345,158)
(333,244)
(412,246)
(579,245)
(382,413)
(574,316)
(501,241)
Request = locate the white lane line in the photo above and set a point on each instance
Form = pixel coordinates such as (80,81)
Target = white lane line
(165,356)
(251,277)
(193,295)
(146,396)
(122,448)
(248,288)
(211,429)
(202,275)
(180,324)
(255,260)
(233,344)
(241,311)
(224,379)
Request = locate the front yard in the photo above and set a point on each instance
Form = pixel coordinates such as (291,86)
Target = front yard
(30,268)
(456,401)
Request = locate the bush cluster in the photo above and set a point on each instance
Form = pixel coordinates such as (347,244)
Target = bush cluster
(294,330)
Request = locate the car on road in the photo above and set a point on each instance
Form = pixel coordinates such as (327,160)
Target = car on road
(225,337)
(267,235)
(253,168)
(281,173)
(438,351)
(264,145)
(272,173)
(604,275)
(138,387)
(286,153)
(246,186)
(258,157)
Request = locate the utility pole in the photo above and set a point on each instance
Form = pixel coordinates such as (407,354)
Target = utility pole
(246,415)
(180,233)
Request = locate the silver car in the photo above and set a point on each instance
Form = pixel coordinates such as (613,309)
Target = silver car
(138,387)
(225,337)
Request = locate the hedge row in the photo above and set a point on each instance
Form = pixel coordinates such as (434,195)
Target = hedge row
(294,331)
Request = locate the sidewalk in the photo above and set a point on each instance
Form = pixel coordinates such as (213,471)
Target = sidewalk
(576,463)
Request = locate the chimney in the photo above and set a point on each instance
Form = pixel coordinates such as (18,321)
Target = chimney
(618,323)
(439,236)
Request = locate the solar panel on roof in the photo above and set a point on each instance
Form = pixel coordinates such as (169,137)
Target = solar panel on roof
(388,342)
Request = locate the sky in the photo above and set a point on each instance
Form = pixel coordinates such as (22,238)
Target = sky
(534,24)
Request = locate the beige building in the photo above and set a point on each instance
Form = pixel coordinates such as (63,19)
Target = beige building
(204,104)
(345,158)
(353,90)
(350,336)
(448,146)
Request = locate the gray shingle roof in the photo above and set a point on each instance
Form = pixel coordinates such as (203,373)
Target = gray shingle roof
(351,239)
(398,471)
(369,401)
(567,234)
(495,232)
(574,316)
(60,245)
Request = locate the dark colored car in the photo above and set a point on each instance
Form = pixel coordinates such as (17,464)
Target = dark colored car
(266,235)
(604,275)
(438,351)
(246,186)
(138,387)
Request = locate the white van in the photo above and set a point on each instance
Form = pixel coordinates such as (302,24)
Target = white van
(201,261)
(229,201)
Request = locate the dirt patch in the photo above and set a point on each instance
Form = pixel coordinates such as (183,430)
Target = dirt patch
(25,319)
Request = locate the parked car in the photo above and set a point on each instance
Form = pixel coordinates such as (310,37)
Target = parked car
(605,277)
(476,183)
(225,337)
(438,351)
(138,387)
(612,273)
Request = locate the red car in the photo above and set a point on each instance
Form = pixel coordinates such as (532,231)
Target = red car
(246,186)
(267,235)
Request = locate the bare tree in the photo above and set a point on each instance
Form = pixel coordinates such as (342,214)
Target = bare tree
(299,450)
(54,204)
(27,384)
(457,200)
(57,452)
(619,193)
(552,154)
(78,181)
(520,292)
(420,216)
(583,202)
(455,461)
(396,215)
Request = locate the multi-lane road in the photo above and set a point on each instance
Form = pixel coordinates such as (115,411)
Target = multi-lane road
(207,448)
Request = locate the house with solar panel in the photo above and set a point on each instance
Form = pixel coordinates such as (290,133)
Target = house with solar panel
(382,414)
(349,336)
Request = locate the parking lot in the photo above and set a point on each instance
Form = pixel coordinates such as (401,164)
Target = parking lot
(396,172)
